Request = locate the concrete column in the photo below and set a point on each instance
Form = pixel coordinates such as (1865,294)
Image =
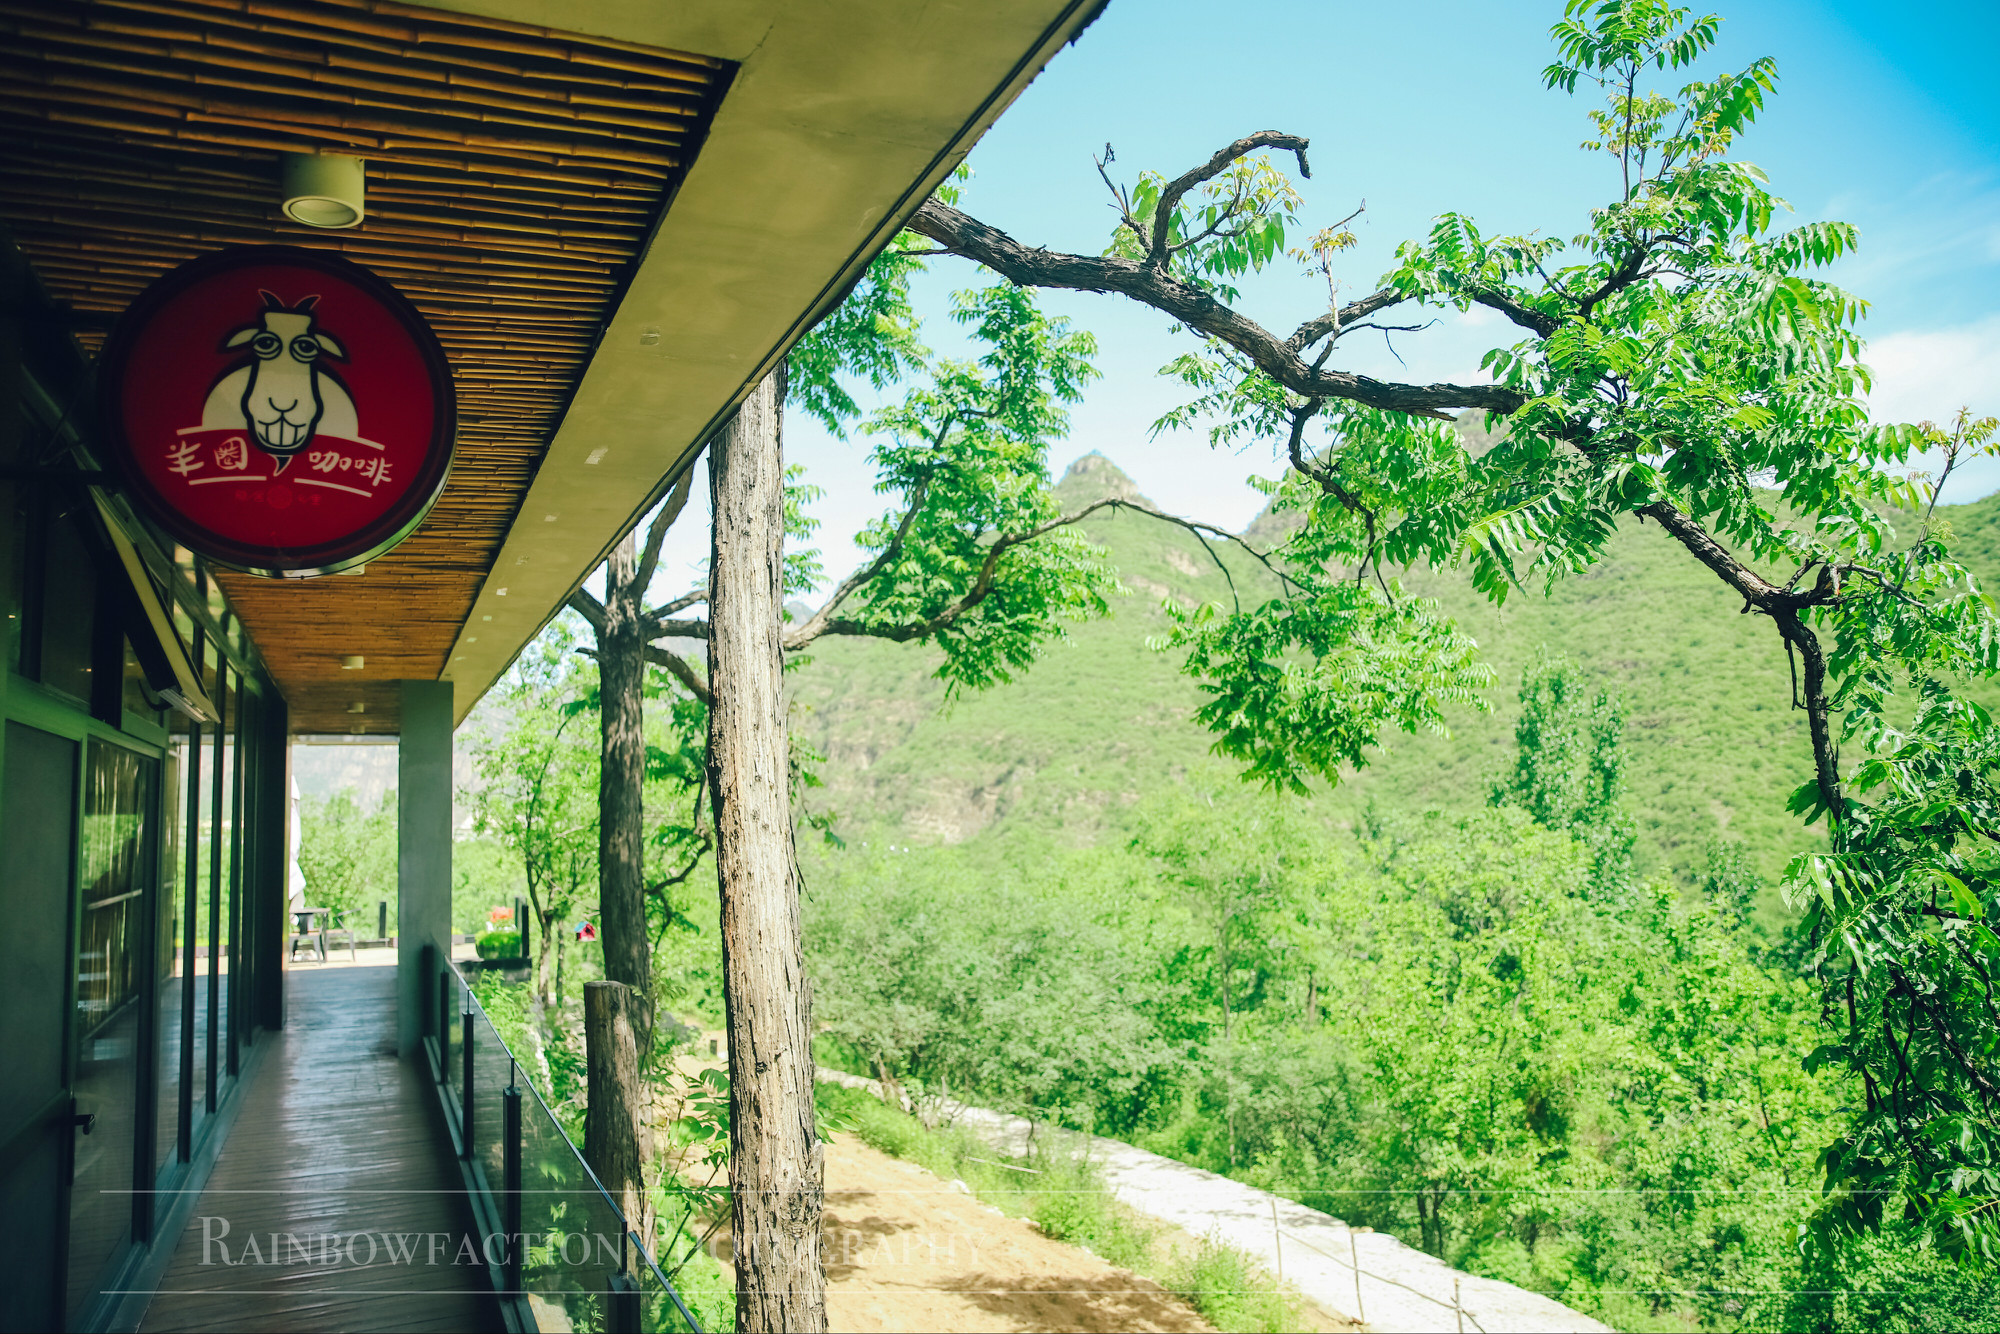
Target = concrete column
(423,852)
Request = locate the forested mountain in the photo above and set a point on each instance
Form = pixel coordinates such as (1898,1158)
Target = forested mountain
(1484,1031)
(1070,747)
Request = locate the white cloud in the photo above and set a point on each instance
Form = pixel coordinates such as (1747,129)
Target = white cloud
(1929,374)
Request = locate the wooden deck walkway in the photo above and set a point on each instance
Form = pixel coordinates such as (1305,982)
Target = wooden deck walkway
(342,1206)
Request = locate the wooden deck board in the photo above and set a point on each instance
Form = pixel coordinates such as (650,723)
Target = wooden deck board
(335,1139)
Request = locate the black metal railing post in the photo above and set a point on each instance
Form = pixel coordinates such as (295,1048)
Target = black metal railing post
(382,919)
(465,1083)
(510,1205)
(444,1025)
(621,1302)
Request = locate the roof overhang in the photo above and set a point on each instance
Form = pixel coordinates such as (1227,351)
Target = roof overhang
(616,215)
(840,121)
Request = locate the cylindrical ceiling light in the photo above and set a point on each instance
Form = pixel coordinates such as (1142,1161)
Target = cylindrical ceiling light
(323,189)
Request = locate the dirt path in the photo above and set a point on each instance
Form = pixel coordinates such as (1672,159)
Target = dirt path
(907,1251)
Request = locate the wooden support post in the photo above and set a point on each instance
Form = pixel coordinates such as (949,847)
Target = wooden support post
(612,1141)
(1355,1256)
(775,1162)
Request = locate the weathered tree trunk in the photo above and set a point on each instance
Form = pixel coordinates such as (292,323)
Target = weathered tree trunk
(775,1156)
(621,781)
(614,1133)
(544,944)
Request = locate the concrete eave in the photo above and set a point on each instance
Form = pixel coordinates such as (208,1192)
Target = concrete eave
(841,120)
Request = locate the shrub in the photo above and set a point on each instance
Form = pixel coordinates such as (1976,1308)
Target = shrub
(1222,1283)
(498,944)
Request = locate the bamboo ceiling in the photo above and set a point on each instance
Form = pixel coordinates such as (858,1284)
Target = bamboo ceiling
(514,174)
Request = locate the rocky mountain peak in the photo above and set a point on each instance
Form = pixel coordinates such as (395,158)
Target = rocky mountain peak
(1094,477)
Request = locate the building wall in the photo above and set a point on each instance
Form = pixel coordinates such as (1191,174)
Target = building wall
(155,958)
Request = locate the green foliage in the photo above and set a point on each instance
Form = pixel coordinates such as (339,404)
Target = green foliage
(1686,362)
(1457,1028)
(1221,1283)
(1305,682)
(485,881)
(499,944)
(972,560)
(1569,765)
(1899,911)
(1229,226)
(1304,685)
(536,752)
(871,336)
(1890,1280)
(962,986)
(348,856)
(506,1007)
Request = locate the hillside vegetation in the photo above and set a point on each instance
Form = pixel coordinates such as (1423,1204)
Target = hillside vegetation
(1548,1028)
(1063,754)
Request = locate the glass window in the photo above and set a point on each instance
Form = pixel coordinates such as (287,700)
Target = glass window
(229,856)
(13,564)
(69,597)
(184,627)
(135,695)
(218,606)
(170,953)
(15,517)
(118,871)
(208,831)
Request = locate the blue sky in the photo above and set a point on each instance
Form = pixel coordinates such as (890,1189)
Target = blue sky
(1887,116)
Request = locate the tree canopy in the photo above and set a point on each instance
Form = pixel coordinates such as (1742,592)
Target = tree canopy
(1681,361)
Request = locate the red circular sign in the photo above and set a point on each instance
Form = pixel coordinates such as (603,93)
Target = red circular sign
(280,411)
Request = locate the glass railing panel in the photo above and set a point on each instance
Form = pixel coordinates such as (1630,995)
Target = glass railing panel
(576,1240)
(574,1235)
(448,999)
(493,1071)
(454,1064)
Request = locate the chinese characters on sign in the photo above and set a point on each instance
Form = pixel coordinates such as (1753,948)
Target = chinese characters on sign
(281,411)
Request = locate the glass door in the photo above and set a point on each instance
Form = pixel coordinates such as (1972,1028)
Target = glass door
(37,842)
(120,872)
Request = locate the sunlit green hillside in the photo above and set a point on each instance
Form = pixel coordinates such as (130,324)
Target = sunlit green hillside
(1064,752)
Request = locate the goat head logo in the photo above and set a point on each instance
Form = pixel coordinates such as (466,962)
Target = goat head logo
(284,395)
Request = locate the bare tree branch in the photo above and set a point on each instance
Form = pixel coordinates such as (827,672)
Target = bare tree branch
(649,559)
(1784,606)
(1152,285)
(588,607)
(824,623)
(1751,586)
(650,627)
(1170,198)
(815,625)
(1518,311)
(1334,321)
(1125,218)
(659,888)
(681,671)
